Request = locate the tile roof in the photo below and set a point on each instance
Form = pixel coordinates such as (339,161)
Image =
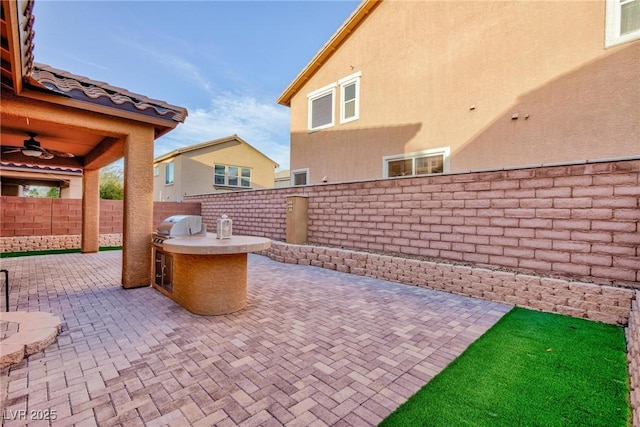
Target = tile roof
(25,166)
(207,144)
(85,89)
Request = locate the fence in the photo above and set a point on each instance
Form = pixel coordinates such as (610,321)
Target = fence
(31,224)
(577,221)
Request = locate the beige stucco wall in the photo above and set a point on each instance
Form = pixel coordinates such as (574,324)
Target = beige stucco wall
(194,170)
(425,64)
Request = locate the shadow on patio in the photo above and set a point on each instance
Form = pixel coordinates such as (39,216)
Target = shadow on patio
(313,347)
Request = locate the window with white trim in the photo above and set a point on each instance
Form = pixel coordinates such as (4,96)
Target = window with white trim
(321,107)
(426,162)
(156,171)
(300,177)
(350,98)
(231,176)
(622,22)
(169,169)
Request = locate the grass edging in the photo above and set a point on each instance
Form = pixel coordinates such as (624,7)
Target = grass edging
(54,252)
(530,368)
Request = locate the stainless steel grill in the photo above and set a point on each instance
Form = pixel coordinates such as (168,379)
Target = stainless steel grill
(174,226)
(178,225)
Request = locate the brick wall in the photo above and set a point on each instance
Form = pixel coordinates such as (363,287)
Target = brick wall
(578,220)
(30,224)
(633,354)
(162,210)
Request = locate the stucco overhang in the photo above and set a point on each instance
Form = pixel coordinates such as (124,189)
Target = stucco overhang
(327,50)
(208,144)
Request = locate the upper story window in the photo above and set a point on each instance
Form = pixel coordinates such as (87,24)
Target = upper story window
(156,171)
(350,98)
(232,176)
(321,107)
(300,177)
(426,162)
(622,22)
(169,173)
(322,103)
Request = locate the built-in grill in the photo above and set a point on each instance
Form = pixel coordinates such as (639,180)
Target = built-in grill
(174,226)
(178,225)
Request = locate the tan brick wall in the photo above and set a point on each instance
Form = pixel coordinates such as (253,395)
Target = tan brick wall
(633,354)
(32,224)
(579,299)
(578,221)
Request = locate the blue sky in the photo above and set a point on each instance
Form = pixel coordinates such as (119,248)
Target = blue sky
(225,61)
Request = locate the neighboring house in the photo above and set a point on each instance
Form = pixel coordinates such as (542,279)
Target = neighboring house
(15,176)
(283,179)
(225,164)
(426,87)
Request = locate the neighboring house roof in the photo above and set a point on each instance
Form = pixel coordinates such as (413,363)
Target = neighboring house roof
(39,168)
(207,144)
(338,38)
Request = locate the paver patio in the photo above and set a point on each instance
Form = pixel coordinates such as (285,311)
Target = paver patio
(314,347)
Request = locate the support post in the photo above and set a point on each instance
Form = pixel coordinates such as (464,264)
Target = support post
(90,240)
(138,208)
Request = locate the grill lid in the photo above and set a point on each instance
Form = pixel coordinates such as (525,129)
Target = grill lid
(182,225)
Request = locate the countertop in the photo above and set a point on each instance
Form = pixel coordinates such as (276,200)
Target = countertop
(210,245)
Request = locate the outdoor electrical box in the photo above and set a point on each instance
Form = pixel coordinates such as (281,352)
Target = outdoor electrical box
(297,213)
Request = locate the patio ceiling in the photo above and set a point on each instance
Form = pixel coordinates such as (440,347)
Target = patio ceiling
(51,93)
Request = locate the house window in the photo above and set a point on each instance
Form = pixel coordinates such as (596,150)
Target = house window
(300,177)
(321,108)
(156,171)
(350,98)
(426,162)
(622,22)
(232,176)
(169,173)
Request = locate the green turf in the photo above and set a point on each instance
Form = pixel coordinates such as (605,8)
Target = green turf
(54,251)
(530,369)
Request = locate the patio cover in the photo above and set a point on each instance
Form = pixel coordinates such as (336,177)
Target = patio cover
(96,122)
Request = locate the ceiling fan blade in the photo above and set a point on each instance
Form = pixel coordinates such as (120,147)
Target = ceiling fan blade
(61,154)
(12,150)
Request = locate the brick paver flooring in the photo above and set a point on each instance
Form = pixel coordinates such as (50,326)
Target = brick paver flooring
(314,347)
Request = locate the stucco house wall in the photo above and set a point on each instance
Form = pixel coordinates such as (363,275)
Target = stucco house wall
(194,168)
(498,84)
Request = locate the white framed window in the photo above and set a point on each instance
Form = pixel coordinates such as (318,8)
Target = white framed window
(156,171)
(427,162)
(350,97)
(622,22)
(321,107)
(169,170)
(300,177)
(231,176)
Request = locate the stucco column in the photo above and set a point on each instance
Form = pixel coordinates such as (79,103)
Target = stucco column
(90,211)
(138,208)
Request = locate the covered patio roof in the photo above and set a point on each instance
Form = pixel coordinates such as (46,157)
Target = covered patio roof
(34,83)
(50,117)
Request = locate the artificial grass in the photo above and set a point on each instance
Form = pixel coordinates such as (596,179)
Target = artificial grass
(530,369)
(54,251)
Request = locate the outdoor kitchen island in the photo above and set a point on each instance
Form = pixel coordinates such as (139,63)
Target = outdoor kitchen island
(210,274)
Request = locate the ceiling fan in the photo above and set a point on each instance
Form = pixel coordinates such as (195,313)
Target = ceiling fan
(32,148)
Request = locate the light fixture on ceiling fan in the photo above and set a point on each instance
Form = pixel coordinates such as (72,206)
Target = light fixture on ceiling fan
(32,148)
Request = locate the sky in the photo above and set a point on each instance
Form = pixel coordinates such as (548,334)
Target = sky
(227,62)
